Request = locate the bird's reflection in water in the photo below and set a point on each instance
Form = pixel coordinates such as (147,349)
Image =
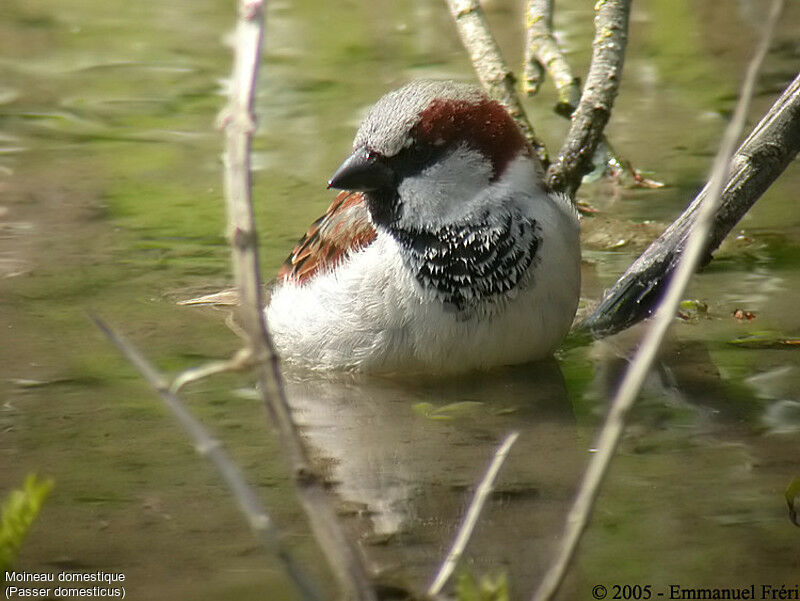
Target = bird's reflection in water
(404,456)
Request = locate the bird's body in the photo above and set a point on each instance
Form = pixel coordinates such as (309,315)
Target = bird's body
(446,254)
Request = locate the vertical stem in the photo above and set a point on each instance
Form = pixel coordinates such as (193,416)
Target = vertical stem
(542,53)
(238,120)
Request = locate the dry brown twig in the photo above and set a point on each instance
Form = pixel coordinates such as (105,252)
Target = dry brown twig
(241,361)
(543,54)
(610,435)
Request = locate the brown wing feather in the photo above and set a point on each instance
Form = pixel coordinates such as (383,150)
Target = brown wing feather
(344,229)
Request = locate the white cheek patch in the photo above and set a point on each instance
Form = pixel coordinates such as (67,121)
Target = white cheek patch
(437,195)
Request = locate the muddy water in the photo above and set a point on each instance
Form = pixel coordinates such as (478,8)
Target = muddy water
(110,202)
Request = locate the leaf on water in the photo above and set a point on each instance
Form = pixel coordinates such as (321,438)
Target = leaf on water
(461,407)
(584,208)
(640,181)
(608,233)
(488,588)
(743,315)
(694,305)
(28,383)
(765,340)
(423,409)
(692,309)
(446,412)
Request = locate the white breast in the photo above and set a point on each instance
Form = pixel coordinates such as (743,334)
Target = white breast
(371,314)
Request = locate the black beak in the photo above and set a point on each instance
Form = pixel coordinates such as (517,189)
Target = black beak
(362,171)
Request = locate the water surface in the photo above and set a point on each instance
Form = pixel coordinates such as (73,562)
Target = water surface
(110,201)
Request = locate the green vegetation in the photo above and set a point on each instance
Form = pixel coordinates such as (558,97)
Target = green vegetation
(17,514)
(485,588)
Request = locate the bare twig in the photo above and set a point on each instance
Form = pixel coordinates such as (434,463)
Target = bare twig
(619,167)
(492,71)
(241,361)
(239,123)
(594,108)
(538,23)
(260,523)
(543,52)
(471,518)
(758,162)
(613,427)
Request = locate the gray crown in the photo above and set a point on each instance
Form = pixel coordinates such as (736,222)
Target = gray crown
(386,127)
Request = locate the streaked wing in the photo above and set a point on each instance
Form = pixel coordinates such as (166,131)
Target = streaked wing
(344,229)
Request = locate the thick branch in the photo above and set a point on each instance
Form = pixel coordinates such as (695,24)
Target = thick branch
(757,163)
(594,109)
(492,71)
(238,120)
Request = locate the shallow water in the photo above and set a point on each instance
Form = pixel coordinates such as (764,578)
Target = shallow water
(110,201)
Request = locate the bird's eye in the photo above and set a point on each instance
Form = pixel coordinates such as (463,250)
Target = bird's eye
(373,156)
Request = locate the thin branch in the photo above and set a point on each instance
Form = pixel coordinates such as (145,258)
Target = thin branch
(260,523)
(471,518)
(492,71)
(761,158)
(539,28)
(238,121)
(241,361)
(542,53)
(609,438)
(619,167)
(594,108)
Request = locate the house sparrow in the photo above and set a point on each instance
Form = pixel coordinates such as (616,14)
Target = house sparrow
(444,252)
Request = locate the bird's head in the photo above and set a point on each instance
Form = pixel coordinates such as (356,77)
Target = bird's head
(428,149)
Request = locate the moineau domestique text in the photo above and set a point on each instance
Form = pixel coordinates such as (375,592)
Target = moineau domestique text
(65,577)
